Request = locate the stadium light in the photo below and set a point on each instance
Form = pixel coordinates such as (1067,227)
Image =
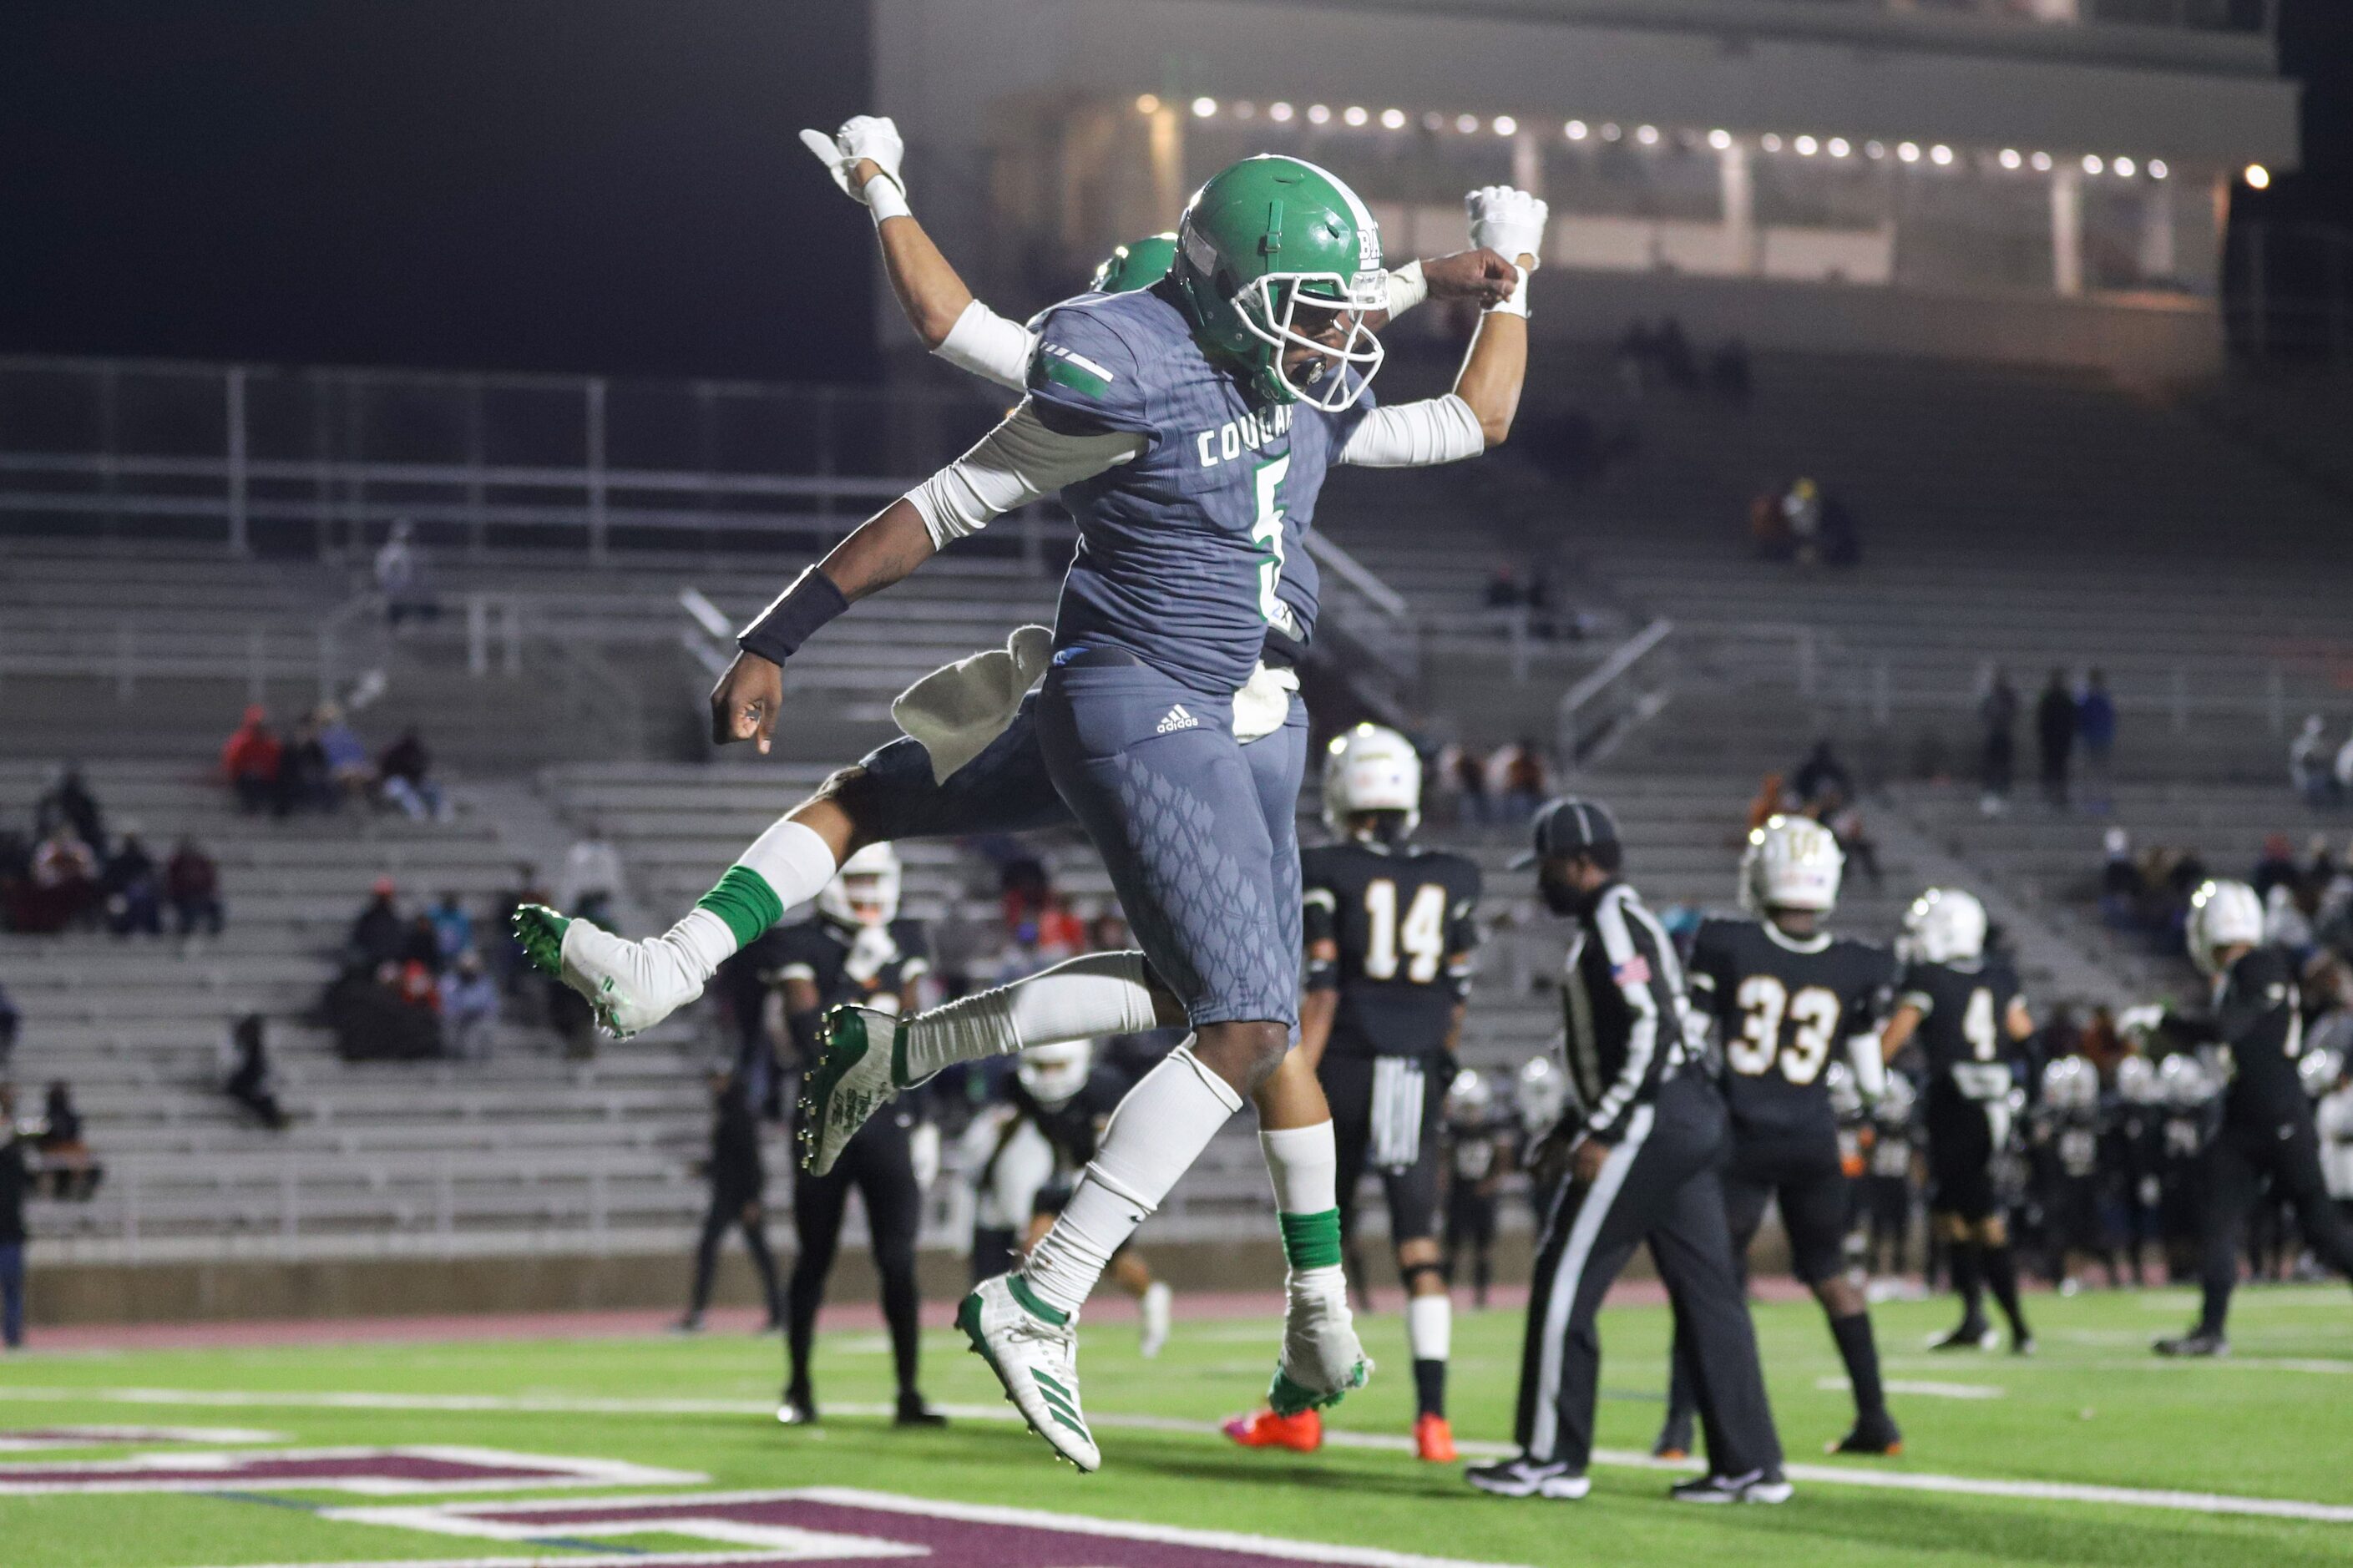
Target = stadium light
(1575,130)
(1393,118)
(2258,178)
(1719,140)
(1770,141)
(1837,147)
(2124,166)
(1356,114)
(2041,163)
(1648,135)
(2157,168)
(2092,164)
(1807,146)
(1610,131)
(1280,112)
(1148,103)
(2011,159)
(1908,151)
(1203,108)
(1245,110)
(1319,114)
(1466,123)
(1874,148)
(1505,125)
(1940,155)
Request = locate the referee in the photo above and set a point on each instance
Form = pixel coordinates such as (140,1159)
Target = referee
(1645,1141)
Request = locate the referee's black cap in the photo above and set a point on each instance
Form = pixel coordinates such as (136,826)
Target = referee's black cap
(1565,826)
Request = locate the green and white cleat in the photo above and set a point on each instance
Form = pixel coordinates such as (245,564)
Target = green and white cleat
(860,1065)
(1323,1361)
(632,985)
(1036,1358)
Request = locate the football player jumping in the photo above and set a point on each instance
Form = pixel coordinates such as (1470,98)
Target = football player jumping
(1787,999)
(1963,1004)
(1389,928)
(1182,547)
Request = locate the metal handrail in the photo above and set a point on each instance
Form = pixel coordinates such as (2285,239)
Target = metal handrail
(1581,742)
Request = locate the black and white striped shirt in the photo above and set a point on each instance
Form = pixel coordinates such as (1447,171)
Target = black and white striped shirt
(1623,997)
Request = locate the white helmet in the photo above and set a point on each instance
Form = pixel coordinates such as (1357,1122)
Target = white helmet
(1896,1101)
(1468,1097)
(1054,1074)
(1791,863)
(2222,914)
(2136,1081)
(1540,1094)
(1846,1101)
(2183,1081)
(1369,768)
(2320,1070)
(1946,926)
(865,891)
(2071,1083)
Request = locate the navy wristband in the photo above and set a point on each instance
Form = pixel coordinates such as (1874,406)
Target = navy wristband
(793,618)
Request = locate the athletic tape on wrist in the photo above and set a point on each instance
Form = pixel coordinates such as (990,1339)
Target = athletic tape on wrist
(1517,305)
(1407,288)
(793,618)
(884,198)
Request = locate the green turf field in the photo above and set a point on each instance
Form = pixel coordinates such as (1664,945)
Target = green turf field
(2094,1410)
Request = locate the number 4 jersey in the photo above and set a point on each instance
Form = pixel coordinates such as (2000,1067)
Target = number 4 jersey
(1963,1033)
(1784,1008)
(1402,917)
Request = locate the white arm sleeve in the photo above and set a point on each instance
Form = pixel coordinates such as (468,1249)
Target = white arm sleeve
(993,347)
(1012,466)
(1416,435)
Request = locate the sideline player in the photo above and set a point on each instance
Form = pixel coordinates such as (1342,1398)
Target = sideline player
(1390,927)
(2267,1135)
(1645,1143)
(1964,1007)
(978,769)
(1258,340)
(1787,999)
(856,948)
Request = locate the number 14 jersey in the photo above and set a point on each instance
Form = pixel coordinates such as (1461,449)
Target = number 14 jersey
(1784,1008)
(1404,920)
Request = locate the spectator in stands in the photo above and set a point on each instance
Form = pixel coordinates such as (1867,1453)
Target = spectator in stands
(1802,510)
(2343,772)
(132,887)
(15,877)
(453,928)
(1522,779)
(1822,776)
(2276,866)
(1998,742)
(250,1082)
(1841,539)
(2308,766)
(303,784)
(2096,729)
(64,883)
(506,955)
(73,1172)
(469,1008)
(1844,819)
(68,803)
(739,1179)
(1772,798)
(2121,888)
(350,774)
(15,1187)
(11,1021)
(250,761)
(403,768)
(1768,527)
(2054,734)
(1465,776)
(591,877)
(377,933)
(401,577)
(192,887)
(374,1020)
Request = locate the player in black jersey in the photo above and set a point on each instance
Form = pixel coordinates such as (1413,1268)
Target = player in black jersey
(1479,1137)
(2068,1175)
(1389,927)
(1788,1000)
(856,949)
(2267,1137)
(1963,1006)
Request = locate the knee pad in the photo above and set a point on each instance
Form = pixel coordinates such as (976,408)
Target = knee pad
(1411,1272)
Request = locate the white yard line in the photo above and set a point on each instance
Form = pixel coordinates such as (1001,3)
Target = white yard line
(1925,1390)
(1823,1475)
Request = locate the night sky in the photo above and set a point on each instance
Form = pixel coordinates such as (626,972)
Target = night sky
(552,185)
(549,184)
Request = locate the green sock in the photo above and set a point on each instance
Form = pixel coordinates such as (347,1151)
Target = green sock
(745,900)
(1311,1240)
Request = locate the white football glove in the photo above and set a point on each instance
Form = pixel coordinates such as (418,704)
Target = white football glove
(871,954)
(2143,1020)
(865,136)
(1507,221)
(924,1153)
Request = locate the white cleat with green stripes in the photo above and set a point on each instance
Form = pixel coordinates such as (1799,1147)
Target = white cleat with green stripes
(1036,1358)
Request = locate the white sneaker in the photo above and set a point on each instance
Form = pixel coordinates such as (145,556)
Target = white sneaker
(632,985)
(1036,1360)
(859,1053)
(1323,1361)
(1153,1313)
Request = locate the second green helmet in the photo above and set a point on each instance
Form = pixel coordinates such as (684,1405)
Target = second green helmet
(1138,264)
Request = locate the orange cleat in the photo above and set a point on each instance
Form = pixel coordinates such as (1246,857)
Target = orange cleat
(1433,1440)
(1302,1432)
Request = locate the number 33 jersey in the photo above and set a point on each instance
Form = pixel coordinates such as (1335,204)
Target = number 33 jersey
(1404,920)
(1784,1008)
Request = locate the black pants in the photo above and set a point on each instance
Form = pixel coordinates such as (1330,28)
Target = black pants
(1662,1183)
(1891,1222)
(1410,1189)
(879,1163)
(2235,1168)
(731,1207)
(1470,1227)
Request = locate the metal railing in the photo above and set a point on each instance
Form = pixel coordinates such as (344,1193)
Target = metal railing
(1626,690)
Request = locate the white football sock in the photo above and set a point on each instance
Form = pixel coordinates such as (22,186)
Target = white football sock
(1078,999)
(794,860)
(1304,1164)
(1429,1326)
(788,862)
(1154,1136)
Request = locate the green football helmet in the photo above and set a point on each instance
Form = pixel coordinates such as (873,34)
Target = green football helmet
(1138,264)
(1264,237)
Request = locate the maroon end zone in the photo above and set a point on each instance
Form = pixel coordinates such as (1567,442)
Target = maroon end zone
(370,1472)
